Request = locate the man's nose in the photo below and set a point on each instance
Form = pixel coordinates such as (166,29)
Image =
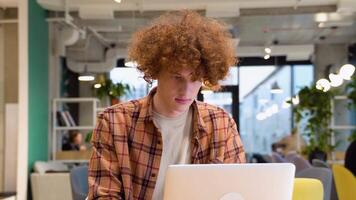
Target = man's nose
(186,86)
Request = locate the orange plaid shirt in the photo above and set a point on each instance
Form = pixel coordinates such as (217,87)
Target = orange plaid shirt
(127,147)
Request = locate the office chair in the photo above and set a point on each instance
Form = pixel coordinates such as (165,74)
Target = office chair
(79,182)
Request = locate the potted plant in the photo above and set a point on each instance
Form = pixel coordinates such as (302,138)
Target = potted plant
(111,90)
(315,106)
(351,95)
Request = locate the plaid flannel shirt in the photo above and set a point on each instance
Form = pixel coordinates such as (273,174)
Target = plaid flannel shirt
(127,147)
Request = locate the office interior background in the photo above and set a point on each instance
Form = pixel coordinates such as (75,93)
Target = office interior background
(61,59)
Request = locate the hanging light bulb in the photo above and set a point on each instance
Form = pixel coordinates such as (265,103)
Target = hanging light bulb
(347,71)
(275,89)
(86,76)
(335,80)
(268,50)
(97,85)
(267,56)
(323,85)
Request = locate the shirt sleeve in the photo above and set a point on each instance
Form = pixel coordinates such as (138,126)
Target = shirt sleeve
(234,151)
(103,172)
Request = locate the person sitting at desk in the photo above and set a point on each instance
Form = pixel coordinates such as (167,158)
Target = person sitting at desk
(135,142)
(289,143)
(74,142)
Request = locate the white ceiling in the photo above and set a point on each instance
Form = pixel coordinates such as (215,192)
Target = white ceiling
(179,4)
(252,22)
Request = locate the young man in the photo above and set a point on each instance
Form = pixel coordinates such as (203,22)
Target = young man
(134,142)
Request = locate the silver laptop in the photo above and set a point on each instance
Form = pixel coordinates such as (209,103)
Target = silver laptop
(273,181)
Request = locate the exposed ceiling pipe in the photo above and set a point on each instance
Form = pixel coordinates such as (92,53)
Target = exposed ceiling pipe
(99,37)
(176,5)
(68,21)
(292,52)
(108,64)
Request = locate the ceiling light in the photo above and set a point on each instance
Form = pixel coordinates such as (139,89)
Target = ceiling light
(275,89)
(97,85)
(267,56)
(335,80)
(347,71)
(86,76)
(117,1)
(268,50)
(323,85)
(131,64)
(321,17)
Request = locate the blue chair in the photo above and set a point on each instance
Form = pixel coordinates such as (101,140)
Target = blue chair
(79,182)
(320,163)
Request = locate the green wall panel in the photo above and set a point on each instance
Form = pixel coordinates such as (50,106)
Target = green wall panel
(38,84)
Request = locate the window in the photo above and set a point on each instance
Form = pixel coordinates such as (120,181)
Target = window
(264,116)
(134,78)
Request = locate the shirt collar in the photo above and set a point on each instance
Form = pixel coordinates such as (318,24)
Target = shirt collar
(147,113)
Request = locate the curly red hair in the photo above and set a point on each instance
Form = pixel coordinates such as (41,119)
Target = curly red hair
(184,39)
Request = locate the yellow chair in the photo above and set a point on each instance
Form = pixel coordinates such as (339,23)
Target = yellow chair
(345,183)
(307,189)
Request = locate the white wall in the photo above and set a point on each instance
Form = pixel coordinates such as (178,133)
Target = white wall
(54,73)
(8,81)
(22,142)
(2,105)
(10,152)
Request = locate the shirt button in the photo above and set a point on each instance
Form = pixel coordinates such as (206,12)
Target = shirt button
(153,175)
(159,142)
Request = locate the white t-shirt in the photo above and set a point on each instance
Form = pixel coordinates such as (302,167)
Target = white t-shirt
(176,134)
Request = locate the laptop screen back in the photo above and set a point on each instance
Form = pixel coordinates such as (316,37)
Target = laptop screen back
(273,181)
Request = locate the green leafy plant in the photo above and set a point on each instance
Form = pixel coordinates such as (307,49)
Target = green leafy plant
(111,90)
(315,106)
(352,136)
(88,137)
(351,95)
